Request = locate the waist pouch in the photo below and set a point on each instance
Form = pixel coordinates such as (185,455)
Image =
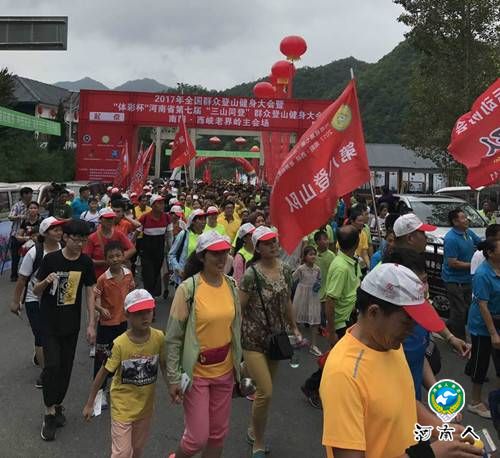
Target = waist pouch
(214,355)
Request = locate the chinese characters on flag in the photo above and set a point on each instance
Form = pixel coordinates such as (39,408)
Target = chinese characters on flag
(141,169)
(328,162)
(123,170)
(182,150)
(475,140)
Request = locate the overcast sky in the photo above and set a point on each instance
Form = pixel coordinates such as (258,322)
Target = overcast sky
(214,43)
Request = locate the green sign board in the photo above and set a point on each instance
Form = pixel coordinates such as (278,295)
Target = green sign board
(221,153)
(11,118)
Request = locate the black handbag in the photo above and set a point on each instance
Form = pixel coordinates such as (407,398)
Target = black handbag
(278,344)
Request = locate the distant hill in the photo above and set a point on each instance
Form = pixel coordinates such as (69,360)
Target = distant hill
(84,83)
(144,85)
(383,89)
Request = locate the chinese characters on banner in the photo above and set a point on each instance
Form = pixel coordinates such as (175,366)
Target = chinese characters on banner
(475,140)
(328,162)
(107,118)
(182,150)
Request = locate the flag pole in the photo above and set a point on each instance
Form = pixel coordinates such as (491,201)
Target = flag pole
(372,191)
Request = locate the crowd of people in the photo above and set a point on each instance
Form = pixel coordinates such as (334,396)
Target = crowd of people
(240,305)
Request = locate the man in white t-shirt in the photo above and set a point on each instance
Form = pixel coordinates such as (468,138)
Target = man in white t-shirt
(92,214)
(492,232)
(51,231)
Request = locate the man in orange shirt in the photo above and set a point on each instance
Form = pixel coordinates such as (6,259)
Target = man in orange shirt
(124,223)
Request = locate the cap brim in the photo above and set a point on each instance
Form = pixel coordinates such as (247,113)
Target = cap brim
(427,228)
(147,304)
(56,223)
(108,215)
(268,236)
(426,316)
(212,213)
(219,246)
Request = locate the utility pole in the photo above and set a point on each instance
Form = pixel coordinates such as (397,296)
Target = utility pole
(157,151)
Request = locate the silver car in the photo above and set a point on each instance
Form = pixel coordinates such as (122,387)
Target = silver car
(433,209)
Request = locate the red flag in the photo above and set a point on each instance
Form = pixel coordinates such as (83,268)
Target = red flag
(123,170)
(182,150)
(141,169)
(475,139)
(207,176)
(328,161)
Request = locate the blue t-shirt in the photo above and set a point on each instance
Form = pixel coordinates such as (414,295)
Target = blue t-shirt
(414,347)
(461,246)
(485,287)
(79,206)
(376,258)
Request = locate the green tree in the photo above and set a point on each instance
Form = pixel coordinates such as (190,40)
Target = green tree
(7,87)
(58,142)
(459,45)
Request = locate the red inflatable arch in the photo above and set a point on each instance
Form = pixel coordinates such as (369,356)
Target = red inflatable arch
(239,160)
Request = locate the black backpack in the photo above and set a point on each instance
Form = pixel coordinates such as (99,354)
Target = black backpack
(36,265)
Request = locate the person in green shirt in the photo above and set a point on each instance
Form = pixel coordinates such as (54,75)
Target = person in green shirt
(212,224)
(342,283)
(487,213)
(323,260)
(310,239)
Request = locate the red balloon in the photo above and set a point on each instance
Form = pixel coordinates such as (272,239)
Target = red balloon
(283,71)
(255,149)
(293,47)
(240,140)
(263,90)
(214,140)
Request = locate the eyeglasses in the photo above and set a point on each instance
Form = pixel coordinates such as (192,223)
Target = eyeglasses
(81,240)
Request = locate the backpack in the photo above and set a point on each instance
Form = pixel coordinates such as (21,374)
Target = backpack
(178,253)
(36,264)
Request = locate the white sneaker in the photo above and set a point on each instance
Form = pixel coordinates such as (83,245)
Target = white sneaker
(479,409)
(315,351)
(92,351)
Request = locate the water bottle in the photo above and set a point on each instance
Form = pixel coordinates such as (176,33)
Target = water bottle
(294,360)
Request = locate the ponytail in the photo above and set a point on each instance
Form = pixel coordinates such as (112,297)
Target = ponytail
(487,246)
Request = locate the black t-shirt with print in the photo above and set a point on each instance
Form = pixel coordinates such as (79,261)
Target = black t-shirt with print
(31,228)
(60,305)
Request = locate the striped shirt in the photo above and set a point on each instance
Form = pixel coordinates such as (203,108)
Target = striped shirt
(152,226)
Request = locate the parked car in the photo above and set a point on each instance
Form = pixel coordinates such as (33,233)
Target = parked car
(433,209)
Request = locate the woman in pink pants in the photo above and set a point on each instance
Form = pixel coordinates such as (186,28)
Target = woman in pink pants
(203,348)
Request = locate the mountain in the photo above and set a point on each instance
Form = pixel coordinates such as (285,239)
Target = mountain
(383,89)
(84,83)
(143,85)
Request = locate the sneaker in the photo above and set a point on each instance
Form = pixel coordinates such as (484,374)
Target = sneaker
(315,351)
(251,397)
(104,401)
(315,401)
(39,383)
(92,351)
(35,360)
(60,418)
(49,427)
(479,409)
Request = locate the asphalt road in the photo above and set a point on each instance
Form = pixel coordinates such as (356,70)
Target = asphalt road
(294,428)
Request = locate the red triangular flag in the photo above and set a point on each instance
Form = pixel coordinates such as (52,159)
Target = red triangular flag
(141,169)
(182,150)
(328,161)
(475,139)
(123,170)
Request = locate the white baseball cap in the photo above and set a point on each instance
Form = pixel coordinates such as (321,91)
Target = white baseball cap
(409,223)
(156,198)
(194,214)
(173,201)
(212,210)
(245,229)
(212,241)
(48,223)
(400,286)
(115,190)
(263,233)
(137,300)
(106,213)
(177,210)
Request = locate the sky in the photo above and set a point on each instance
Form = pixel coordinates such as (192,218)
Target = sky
(213,43)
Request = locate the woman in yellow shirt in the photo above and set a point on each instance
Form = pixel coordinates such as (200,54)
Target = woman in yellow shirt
(203,347)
